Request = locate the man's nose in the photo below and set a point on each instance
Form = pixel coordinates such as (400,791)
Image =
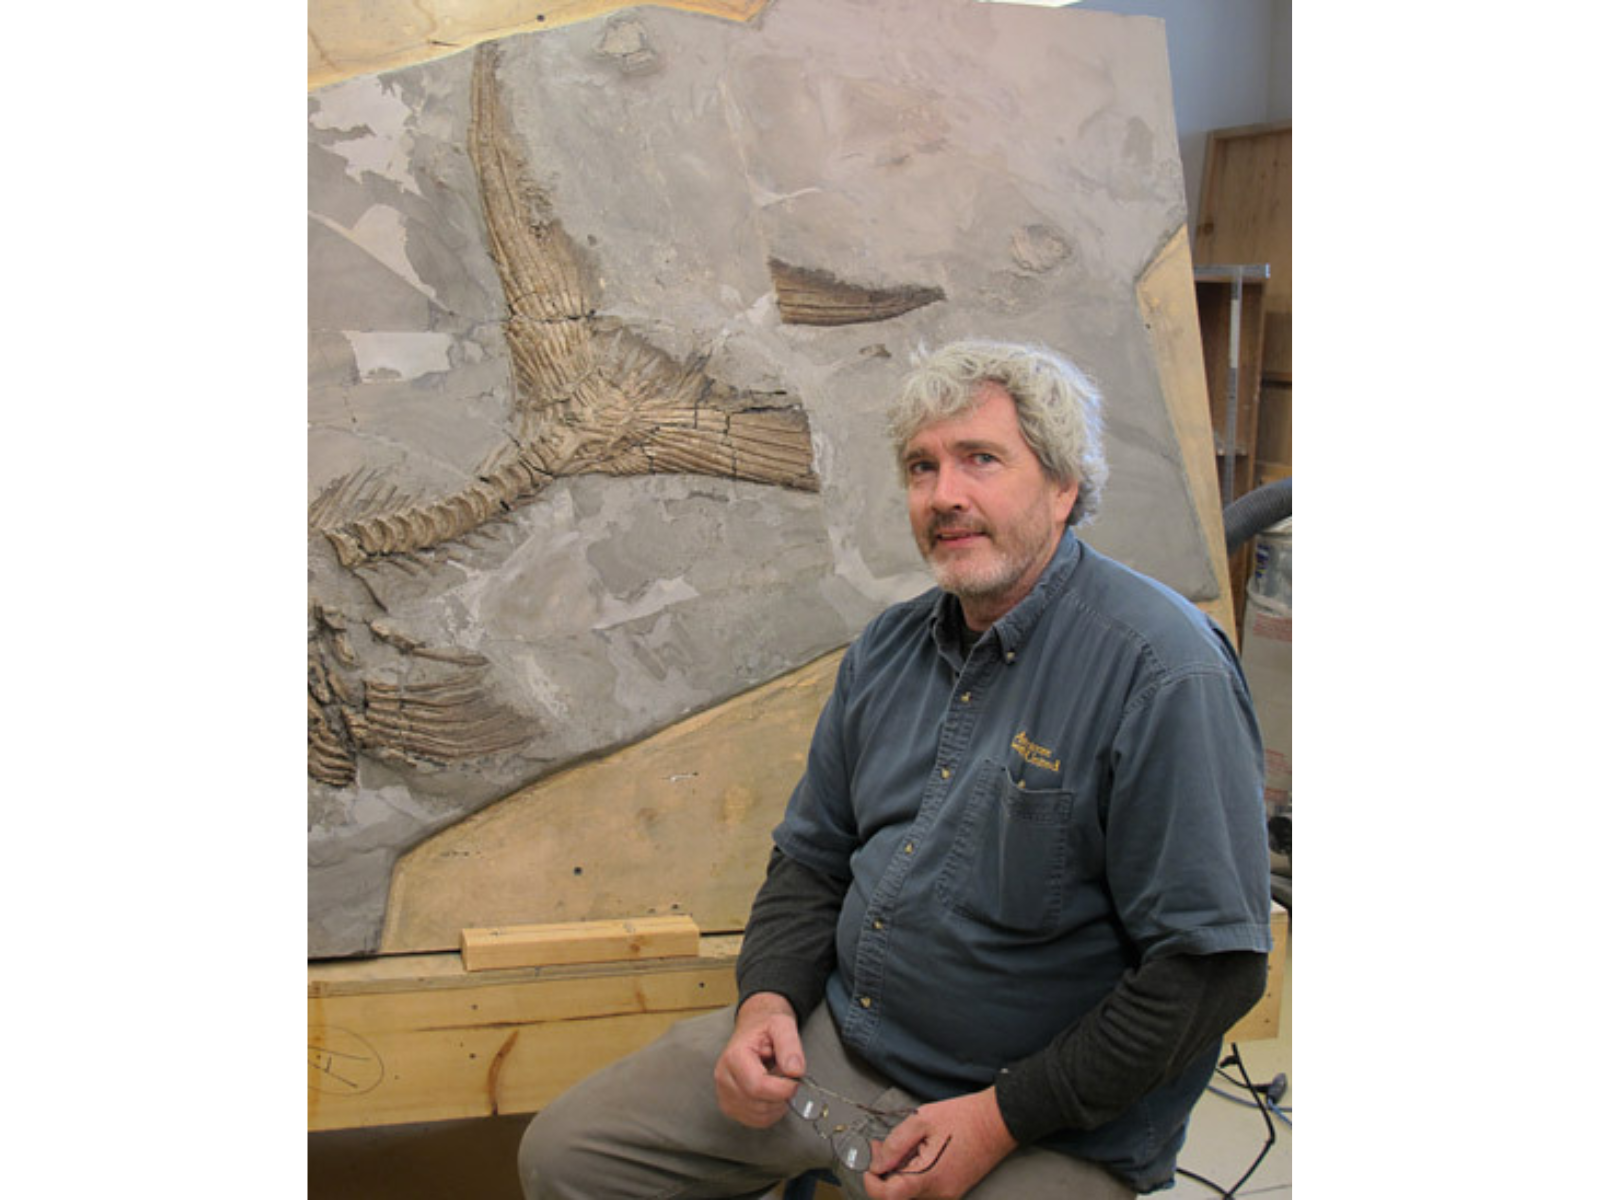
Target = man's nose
(948,493)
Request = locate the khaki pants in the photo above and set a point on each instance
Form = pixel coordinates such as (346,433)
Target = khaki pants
(648,1128)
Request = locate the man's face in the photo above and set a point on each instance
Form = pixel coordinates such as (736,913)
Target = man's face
(986,516)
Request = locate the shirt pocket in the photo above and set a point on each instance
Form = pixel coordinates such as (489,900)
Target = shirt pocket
(1008,867)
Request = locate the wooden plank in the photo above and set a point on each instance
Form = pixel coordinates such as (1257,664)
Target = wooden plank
(502,946)
(345,38)
(1263,1021)
(1167,304)
(441,1043)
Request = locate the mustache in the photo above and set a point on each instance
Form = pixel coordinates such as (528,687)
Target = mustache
(951,523)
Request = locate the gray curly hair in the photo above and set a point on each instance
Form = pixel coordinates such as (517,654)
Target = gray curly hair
(1058,408)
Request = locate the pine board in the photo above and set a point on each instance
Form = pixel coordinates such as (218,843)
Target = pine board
(502,946)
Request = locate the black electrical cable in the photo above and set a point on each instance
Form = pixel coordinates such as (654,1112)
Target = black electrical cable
(1281,1113)
(1256,1092)
(1273,1091)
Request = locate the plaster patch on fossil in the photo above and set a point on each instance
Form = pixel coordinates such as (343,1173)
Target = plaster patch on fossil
(625,43)
(1040,248)
(807,296)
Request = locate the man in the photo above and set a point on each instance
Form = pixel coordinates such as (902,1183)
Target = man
(1022,888)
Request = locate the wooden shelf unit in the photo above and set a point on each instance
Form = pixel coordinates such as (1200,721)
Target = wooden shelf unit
(1214,287)
(1246,216)
(1246,211)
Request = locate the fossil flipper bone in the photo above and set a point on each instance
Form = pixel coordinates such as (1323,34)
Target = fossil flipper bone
(590,397)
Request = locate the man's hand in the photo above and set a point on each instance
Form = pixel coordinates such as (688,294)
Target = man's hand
(964,1138)
(760,1066)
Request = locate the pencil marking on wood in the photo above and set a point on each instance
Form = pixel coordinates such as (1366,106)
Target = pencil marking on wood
(342,1062)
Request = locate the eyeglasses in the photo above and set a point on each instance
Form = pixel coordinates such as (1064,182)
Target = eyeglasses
(851,1140)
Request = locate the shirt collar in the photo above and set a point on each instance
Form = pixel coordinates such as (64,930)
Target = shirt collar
(1011,630)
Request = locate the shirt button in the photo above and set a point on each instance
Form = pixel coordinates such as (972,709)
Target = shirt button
(877,925)
(966,697)
(1011,656)
(866,1002)
(908,847)
(944,772)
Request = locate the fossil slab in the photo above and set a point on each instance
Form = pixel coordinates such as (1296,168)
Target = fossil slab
(603,324)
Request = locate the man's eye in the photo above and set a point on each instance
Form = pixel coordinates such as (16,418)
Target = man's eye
(918,468)
(983,459)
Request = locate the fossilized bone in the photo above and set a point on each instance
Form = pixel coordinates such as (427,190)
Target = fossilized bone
(436,708)
(590,397)
(808,296)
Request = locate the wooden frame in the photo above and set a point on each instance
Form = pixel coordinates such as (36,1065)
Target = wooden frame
(410,1038)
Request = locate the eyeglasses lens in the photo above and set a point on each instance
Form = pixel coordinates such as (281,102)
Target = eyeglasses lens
(807,1105)
(853,1151)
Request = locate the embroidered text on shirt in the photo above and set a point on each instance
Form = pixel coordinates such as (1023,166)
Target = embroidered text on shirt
(1038,756)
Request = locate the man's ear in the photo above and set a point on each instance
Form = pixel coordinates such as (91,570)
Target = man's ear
(1066,496)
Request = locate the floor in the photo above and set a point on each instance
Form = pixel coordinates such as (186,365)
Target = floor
(476,1160)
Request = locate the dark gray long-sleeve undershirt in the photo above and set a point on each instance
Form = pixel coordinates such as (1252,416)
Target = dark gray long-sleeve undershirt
(1147,1029)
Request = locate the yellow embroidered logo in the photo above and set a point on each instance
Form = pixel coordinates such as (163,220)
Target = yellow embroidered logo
(1035,755)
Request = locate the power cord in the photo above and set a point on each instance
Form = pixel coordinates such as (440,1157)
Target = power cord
(1274,1109)
(1272,1092)
(1264,1095)
(1265,1090)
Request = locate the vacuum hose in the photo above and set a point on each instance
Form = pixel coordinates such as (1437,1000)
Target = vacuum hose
(1255,511)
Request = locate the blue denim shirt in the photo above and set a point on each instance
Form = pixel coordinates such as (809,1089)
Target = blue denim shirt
(1079,795)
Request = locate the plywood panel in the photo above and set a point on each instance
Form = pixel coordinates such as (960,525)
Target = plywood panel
(1171,319)
(678,823)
